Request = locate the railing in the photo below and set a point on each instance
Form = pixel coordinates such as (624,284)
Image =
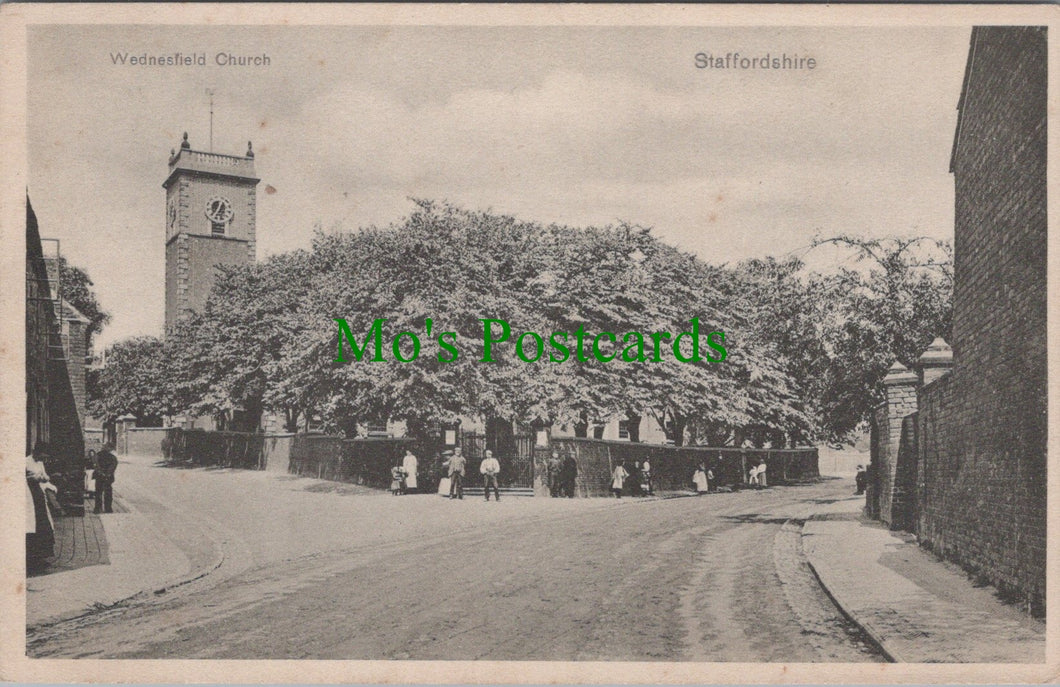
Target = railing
(197,159)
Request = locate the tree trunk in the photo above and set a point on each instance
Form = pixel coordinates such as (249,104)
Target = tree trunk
(633,427)
(290,419)
(581,428)
(347,425)
(252,416)
(738,437)
(715,435)
(677,429)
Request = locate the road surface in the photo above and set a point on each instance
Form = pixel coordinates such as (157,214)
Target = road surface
(334,572)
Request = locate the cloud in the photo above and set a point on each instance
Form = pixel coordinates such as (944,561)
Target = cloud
(577,126)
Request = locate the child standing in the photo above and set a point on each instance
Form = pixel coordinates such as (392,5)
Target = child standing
(397,480)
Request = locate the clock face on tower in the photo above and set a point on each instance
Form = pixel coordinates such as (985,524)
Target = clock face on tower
(219,209)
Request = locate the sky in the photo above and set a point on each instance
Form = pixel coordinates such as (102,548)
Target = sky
(574,125)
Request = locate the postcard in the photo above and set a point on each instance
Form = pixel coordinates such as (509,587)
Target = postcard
(527,344)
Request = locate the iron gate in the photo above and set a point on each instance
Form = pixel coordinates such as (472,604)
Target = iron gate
(516,456)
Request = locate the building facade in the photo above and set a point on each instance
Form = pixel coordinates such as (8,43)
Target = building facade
(55,368)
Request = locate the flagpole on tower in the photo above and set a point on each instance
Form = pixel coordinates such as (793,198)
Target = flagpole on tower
(209,91)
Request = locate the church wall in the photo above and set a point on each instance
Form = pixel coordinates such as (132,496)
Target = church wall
(204,254)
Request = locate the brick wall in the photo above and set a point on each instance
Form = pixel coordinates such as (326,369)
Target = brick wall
(75,344)
(888,494)
(982,429)
(52,413)
(40,319)
(672,466)
(147,441)
(904,504)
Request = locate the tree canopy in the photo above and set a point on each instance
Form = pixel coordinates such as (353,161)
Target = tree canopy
(805,350)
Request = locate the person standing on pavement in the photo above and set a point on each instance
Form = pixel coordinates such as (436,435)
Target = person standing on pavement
(106,467)
(645,470)
(699,479)
(555,485)
(860,479)
(397,480)
(635,480)
(490,468)
(411,464)
(90,468)
(618,479)
(456,474)
(568,476)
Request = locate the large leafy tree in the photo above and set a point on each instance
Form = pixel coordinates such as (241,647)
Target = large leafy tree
(443,264)
(135,380)
(236,354)
(836,333)
(461,266)
(897,302)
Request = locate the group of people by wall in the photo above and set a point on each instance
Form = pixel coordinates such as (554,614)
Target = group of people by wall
(562,476)
(756,476)
(703,479)
(43,506)
(627,478)
(455,468)
(634,480)
(404,478)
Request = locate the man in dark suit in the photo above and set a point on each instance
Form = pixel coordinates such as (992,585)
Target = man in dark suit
(569,476)
(106,466)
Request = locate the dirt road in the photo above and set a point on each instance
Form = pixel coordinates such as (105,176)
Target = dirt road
(712,578)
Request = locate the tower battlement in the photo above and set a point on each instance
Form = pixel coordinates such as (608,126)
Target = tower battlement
(188,160)
(200,161)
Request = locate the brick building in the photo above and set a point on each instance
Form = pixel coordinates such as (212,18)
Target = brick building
(55,368)
(965,468)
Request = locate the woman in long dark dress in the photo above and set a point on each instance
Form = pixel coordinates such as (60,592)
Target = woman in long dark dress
(40,529)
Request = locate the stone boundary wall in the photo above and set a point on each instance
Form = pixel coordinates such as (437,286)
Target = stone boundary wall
(672,466)
(368,462)
(358,461)
(886,432)
(904,499)
(146,441)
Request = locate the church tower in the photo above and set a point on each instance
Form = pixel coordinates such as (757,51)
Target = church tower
(210,215)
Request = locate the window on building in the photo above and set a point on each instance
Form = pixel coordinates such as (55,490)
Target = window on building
(623,429)
(218,228)
(376,429)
